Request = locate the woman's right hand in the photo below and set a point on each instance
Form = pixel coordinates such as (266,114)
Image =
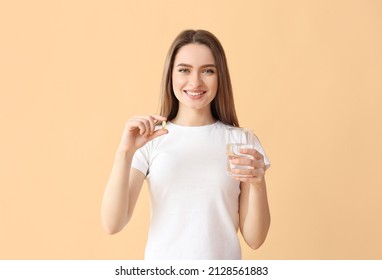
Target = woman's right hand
(139,130)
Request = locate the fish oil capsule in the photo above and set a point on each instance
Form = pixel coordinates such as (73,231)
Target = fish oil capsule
(164,125)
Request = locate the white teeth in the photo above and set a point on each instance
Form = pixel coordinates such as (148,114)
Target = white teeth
(194,93)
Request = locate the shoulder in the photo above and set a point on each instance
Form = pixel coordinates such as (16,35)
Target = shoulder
(222,126)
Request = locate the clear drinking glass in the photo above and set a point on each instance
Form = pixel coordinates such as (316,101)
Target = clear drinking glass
(238,138)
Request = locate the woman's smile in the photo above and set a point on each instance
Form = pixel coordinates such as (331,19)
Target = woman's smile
(195,94)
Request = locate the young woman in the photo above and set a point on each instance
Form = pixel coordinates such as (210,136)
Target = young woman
(196,208)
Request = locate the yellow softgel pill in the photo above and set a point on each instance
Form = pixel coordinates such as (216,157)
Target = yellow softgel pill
(164,125)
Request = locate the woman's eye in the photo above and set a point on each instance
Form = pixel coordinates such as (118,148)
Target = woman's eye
(209,71)
(183,70)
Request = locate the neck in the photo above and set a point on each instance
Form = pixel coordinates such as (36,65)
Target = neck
(193,118)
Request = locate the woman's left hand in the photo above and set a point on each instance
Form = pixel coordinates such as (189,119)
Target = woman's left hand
(254,166)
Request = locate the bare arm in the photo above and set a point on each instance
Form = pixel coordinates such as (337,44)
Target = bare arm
(254,211)
(124,184)
(121,193)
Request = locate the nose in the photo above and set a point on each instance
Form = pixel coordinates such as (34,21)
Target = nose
(195,80)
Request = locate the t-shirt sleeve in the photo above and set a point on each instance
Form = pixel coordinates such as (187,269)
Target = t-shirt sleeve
(141,159)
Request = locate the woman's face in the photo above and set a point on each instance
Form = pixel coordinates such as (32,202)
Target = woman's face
(194,77)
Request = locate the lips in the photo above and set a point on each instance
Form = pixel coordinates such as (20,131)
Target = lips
(194,93)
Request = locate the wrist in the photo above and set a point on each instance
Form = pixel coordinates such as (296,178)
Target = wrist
(259,183)
(124,152)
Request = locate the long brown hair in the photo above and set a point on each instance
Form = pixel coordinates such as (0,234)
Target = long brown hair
(222,107)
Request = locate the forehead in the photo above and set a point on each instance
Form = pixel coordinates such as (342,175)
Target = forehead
(194,54)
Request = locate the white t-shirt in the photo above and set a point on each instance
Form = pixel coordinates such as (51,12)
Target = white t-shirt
(194,203)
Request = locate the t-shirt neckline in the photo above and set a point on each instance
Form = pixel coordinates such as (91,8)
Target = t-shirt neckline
(193,127)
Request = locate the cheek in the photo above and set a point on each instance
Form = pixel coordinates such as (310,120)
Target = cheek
(214,84)
(178,84)
(176,87)
(174,83)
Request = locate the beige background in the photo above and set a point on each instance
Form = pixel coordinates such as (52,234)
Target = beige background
(306,76)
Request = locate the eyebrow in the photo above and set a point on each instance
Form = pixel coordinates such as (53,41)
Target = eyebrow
(190,66)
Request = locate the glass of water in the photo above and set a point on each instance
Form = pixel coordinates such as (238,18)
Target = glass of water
(238,138)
